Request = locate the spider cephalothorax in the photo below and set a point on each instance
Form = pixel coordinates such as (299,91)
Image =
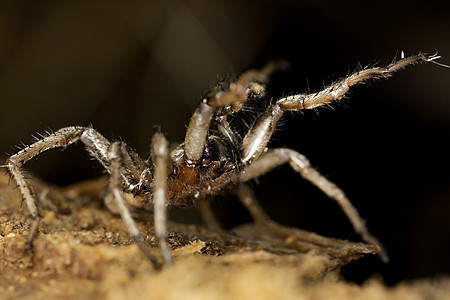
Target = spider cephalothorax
(217,168)
(212,158)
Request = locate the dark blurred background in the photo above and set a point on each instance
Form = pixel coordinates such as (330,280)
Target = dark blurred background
(125,66)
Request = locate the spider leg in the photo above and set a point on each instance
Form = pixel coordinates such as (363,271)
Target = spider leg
(219,103)
(133,169)
(245,195)
(60,138)
(301,164)
(117,203)
(259,135)
(95,143)
(162,162)
(248,84)
(337,90)
(207,214)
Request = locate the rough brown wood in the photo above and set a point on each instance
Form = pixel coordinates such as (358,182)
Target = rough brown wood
(83,251)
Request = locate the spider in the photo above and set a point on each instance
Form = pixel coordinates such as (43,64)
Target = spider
(213,157)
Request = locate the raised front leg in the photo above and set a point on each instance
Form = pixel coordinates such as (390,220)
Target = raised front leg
(257,138)
(223,101)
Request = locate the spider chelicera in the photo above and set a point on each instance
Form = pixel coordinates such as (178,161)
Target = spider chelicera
(212,158)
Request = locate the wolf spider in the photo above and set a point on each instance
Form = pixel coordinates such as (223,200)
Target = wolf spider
(211,159)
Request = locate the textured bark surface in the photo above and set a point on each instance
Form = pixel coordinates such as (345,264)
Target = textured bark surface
(83,251)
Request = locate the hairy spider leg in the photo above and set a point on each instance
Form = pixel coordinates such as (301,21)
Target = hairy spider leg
(61,138)
(297,236)
(256,140)
(130,167)
(276,157)
(117,204)
(219,103)
(259,135)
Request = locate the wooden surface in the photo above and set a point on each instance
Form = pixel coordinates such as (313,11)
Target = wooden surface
(83,252)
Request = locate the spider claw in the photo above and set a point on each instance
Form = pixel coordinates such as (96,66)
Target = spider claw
(433,58)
